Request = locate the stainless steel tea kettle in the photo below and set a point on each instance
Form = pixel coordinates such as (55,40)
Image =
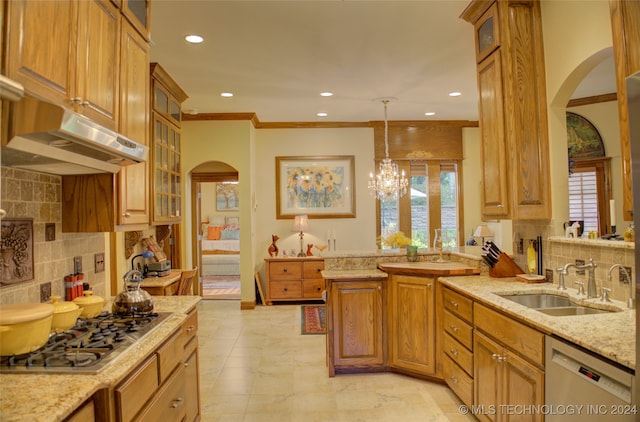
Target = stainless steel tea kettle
(133,299)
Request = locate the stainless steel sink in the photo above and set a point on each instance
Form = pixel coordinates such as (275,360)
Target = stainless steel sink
(542,300)
(554,305)
(573,310)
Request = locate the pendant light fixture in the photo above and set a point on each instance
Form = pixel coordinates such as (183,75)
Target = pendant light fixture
(389,184)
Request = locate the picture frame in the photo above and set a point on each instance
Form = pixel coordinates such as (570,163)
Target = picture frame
(318,186)
(227,197)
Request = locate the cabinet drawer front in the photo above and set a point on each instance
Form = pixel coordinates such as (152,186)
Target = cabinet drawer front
(170,403)
(312,288)
(285,270)
(458,329)
(513,334)
(136,390)
(458,380)
(458,304)
(285,290)
(169,355)
(190,328)
(458,353)
(312,269)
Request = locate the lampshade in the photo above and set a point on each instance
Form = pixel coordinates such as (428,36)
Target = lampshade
(482,231)
(300,223)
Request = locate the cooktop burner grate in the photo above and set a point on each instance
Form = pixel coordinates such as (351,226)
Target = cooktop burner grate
(87,347)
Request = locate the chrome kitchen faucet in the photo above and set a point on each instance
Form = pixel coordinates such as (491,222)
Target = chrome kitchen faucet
(591,282)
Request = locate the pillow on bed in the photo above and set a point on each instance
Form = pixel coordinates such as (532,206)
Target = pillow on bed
(214,232)
(229,234)
(217,220)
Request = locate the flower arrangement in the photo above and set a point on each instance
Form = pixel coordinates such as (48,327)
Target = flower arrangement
(395,240)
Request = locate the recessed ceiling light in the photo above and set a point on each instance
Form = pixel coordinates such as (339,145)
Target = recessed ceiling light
(194,39)
(322,114)
(429,113)
(326,94)
(226,94)
(455,94)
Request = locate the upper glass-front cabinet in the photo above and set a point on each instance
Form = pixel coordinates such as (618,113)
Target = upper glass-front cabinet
(487,35)
(138,12)
(166,173)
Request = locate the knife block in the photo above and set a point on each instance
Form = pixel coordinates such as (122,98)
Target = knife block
(505,267)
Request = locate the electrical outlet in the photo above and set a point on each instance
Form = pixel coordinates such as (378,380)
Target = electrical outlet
(77,264)
(99,262)
(45,292)
(548,273)
(580,262)
(622,276)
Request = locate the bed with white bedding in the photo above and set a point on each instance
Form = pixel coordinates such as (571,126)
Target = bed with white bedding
(221,256)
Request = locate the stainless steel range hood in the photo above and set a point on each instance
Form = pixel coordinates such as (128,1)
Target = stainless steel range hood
(48,138)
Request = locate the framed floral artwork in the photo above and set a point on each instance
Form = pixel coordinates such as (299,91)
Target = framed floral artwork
(320,187)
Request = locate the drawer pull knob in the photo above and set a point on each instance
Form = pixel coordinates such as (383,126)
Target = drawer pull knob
(454,352)
(453,328)
(190,328)
(319,270)
(495,356)
(454,304)
(284,271)
(454,380)
(318,288)
(177,402)
(286,290)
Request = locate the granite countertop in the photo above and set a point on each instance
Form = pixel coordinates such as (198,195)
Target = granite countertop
(53,397)
(611,334)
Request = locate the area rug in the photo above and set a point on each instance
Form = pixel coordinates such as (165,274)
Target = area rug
(313,319)
(221,287)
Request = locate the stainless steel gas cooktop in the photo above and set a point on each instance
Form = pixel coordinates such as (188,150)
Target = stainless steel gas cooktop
(87,347)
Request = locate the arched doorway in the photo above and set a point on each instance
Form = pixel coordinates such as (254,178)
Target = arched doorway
(215,229)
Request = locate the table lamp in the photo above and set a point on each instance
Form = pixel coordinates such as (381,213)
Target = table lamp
(301,224)
(482,231)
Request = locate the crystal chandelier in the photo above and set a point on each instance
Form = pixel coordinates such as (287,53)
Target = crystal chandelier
(389,184)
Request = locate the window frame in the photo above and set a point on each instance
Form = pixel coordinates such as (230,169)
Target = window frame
(602,167)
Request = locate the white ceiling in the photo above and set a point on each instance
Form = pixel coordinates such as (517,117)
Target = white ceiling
(278,56)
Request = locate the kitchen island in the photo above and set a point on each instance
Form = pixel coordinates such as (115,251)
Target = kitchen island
(55,397)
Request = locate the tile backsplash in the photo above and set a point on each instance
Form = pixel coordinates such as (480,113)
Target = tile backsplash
(27,194)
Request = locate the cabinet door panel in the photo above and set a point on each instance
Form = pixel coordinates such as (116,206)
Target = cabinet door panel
(357,319)
(495,194)
(98,61)
(40,36)
(412,321)
(524,384)
(487,376)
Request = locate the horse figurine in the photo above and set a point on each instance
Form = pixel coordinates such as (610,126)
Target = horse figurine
(273,249)
(309,246)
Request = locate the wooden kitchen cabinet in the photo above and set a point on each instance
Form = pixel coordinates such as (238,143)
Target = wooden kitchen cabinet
(67,52)
(355,326)
(165,386)
(513,117)
(166,167)
(457,344)
(508,364)
(133,185)
(138,13)
(293,279)
(411,324)
(625,20)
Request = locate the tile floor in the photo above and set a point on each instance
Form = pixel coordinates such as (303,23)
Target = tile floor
(256,366)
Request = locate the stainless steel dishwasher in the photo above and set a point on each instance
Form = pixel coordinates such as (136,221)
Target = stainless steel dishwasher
(582,386)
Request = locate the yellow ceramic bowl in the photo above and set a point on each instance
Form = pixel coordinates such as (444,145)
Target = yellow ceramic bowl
(91,305)
(24,327)
(65,314)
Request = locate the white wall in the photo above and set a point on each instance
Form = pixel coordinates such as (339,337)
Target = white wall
(351,233)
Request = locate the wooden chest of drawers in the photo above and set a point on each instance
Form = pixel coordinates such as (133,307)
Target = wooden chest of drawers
(294,279)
